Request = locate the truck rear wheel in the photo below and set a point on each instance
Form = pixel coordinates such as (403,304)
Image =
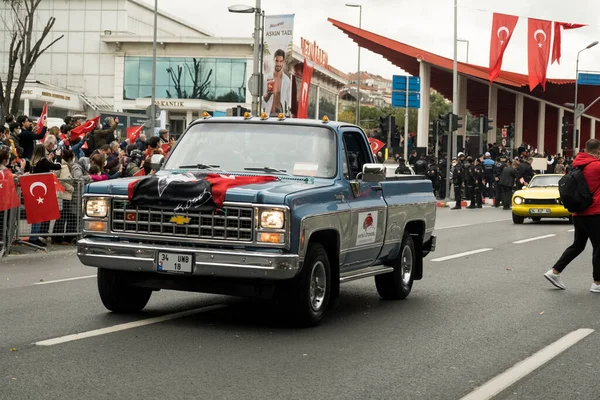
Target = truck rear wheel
(117,295)
(308,294)
(396,285)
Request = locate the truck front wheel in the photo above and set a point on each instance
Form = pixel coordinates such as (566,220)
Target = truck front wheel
(308,294)
(117,295)
(396,285)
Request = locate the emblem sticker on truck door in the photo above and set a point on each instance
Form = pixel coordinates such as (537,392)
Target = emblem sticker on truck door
(367,228)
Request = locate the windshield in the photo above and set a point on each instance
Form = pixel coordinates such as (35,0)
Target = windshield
(544,181)
(268,148)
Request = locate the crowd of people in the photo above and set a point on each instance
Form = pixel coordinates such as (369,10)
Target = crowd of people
(96,156)
(494,175)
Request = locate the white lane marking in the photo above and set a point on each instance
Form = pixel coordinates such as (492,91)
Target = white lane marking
(534,238)
(65,280)
(571,230)
(125,326)
(525,367)
(463,225)
(466,253)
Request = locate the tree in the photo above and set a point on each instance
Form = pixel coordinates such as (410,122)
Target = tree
(200,84)
(24,50)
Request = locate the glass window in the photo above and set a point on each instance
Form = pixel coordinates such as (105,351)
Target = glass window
(132,71)
(163,91)
(302,150)
(223,73)
(544,181)
(131,92)
(146,72)
(312,101)
(326,104)
(226,95)
(162,76)
(145,91)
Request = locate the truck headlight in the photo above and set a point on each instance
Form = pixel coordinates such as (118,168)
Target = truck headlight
(518,200)
(96,207)
(272,219)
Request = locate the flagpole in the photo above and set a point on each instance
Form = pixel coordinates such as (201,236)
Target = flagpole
(455,79)
(153,101)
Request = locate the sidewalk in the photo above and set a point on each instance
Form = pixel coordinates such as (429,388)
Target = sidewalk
(23,251)
(464,203)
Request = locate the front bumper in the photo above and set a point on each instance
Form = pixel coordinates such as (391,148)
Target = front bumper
(556,210)
(138,257)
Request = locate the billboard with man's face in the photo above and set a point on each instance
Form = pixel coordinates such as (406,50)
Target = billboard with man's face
(277,62)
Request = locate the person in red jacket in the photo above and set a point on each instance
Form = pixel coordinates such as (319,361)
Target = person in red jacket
(586,222)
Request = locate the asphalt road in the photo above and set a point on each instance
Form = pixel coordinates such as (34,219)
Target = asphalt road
(471,318)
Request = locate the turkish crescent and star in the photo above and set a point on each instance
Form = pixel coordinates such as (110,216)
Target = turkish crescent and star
(40,200)
(536,33)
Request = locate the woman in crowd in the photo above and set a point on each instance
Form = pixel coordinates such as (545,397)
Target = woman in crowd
(41,164)
(68,214)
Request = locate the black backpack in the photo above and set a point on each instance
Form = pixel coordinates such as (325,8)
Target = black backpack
(574,192)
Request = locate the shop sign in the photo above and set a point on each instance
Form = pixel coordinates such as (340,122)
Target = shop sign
(170,103)
(314,53)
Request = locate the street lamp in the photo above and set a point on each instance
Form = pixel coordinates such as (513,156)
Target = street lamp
(577,114)
(358,72)
(256,73)
(467,42)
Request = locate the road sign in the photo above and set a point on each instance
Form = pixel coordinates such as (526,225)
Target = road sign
(399,100)
(157,111)
(504,142)
(504,133)
(588,79)
(399,83)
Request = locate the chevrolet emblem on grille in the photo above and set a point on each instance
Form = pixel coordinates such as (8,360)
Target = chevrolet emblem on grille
(180,220)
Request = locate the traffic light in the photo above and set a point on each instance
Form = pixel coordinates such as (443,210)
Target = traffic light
(455,122)
(383,124)
(444,120)
(486,124)
(565,132)
(393,127)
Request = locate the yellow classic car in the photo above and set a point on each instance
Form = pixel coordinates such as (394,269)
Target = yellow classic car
(540,199)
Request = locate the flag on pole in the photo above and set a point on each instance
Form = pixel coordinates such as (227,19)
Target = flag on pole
(40,122)
(8,192)
(558,26)
(538,51)
(39,197)
(503,27)
(307,72)
(133,132)
(83,129)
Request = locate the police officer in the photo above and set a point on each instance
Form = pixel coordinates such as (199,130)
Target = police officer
(433,174)
(476,172)
(488,175)
(402,167)
(442,169)
(457,181)
(469,180)
(498,168)
(420,166)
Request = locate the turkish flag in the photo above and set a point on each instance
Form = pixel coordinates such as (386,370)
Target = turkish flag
(57,185)
(503,27)
(557,38)
(39,196)
(191,191)
(141,172)
(133,132)
(86,127)
(307,72)
(376,145)
(40,122)
(165,148)
(8,192)
(538,51)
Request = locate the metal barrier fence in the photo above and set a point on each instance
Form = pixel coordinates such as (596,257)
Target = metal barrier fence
(15,229)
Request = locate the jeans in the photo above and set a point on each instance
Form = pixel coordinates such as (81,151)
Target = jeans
(585,228)
(43,228)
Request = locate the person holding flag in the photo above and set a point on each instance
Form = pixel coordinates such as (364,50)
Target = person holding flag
(27,135)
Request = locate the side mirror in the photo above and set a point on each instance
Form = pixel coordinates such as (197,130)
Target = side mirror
(157,161)
(373,173)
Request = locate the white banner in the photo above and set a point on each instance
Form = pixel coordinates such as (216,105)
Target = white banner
(277,62)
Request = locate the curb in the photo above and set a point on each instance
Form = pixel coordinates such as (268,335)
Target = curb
(464,203)
(30,253)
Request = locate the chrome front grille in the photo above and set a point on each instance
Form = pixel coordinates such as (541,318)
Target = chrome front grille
(230,223)
(542,201)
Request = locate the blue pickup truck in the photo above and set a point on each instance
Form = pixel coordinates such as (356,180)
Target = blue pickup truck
(331,216)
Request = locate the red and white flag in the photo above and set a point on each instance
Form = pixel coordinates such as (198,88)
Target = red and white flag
(8,192)
(57,185)
(538,51)
(141,172)
(376,145)
(133,132)
(307,72)
(42,118)
(558,26)
(83,129)
(39,197)
(503,27)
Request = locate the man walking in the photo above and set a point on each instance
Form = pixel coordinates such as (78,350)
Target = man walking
(586,222)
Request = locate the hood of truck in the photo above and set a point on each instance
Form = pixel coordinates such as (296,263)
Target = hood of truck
(264,193)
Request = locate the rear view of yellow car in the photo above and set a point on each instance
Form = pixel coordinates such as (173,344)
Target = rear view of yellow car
(540,199)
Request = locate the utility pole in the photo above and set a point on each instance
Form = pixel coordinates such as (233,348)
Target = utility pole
(153,101)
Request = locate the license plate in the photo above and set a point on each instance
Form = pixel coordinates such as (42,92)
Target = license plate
(174,262)
(539,211)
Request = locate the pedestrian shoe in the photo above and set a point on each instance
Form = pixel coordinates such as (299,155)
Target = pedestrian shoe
(556,280)
(595,288)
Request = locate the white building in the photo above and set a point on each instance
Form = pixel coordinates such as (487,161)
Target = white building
(104,63)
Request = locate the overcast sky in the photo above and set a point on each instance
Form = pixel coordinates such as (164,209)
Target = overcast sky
(426,24)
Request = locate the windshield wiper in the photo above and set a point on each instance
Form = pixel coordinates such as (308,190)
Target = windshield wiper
(200,166)
(269,169)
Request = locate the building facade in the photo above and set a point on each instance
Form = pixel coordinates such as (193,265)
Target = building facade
(104,63)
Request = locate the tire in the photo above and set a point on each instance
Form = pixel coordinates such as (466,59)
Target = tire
(517,219)
(536,219)
(119,297)
(397,285)
(307,297)
(571,219)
